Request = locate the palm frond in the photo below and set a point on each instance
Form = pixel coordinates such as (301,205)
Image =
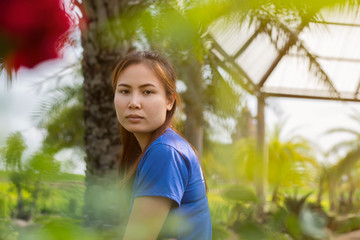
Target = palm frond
(294,40)
(66,129)
(347,163)
(352,132)
(220,93)
(355,116)
(343,145)
(59,98)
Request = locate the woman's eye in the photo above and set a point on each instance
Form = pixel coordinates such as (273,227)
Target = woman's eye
(147,92)
(124,91)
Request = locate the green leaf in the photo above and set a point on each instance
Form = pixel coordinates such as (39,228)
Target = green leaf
(241,194)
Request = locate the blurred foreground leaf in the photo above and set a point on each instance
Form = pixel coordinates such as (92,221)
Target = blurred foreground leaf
(240,194)
(58,229)
(251,231)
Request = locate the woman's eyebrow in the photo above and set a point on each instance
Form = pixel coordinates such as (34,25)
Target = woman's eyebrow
(147,85)
(141,86)
(123,85)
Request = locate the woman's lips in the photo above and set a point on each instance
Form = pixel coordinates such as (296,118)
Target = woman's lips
(134,118)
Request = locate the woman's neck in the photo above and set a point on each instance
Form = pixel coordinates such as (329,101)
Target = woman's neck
(143,139)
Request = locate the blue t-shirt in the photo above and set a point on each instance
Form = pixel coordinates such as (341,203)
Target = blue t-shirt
(170,168)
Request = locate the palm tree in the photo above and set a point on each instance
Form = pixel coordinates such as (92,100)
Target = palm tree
(61,116)
(27,174)
(345,168)
(108,35)
(346,165)
(41,166)
(12,154)
(354,135)
(291,162)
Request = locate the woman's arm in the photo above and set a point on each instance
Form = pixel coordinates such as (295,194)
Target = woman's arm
(147,217)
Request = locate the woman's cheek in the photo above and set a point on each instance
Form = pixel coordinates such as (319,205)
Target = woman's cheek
(119,107)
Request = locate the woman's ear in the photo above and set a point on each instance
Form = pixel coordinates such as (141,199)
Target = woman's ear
(170,102)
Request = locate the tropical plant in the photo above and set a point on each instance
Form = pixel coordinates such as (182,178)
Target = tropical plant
(299,219)
(61,117)
(341,177)
(27,174)
(41,166)
(7,231)
(12,155)
(291,162)
(353,140)
(344,171)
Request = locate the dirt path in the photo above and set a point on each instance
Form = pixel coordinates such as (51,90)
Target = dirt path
(355,235)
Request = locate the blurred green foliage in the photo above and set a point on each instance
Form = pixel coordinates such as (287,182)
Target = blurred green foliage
(61,196)
(61,117)
(293,212)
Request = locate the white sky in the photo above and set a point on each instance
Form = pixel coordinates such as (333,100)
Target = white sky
(19,103)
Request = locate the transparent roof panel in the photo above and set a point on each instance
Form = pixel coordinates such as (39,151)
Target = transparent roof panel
(337,41)
(345,75)
(257,57)
(329,49)
(232,35)
(292,73)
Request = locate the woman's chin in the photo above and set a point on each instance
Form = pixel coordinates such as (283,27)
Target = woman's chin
(137,130)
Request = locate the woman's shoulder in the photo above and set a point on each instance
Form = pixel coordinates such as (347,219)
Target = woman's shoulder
(169,147)
(170,139)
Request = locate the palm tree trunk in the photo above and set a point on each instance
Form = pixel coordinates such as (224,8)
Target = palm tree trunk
(194,131)
(320,191)
(20,203)
(351,193)
(102,140)
(275,195)
(35,196)
(194,104)
(107,37)
(332,195)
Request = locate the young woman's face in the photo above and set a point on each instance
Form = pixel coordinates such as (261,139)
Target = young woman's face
(140,100)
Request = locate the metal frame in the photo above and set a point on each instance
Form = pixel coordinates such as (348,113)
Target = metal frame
(229,64)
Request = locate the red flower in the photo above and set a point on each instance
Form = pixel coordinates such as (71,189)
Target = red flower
(34,28)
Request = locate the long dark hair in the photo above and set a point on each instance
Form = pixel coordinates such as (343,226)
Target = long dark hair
(165,71)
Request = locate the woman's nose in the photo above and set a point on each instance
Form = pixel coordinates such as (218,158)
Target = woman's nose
(134,102)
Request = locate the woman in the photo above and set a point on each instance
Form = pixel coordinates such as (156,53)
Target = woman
(168,194)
